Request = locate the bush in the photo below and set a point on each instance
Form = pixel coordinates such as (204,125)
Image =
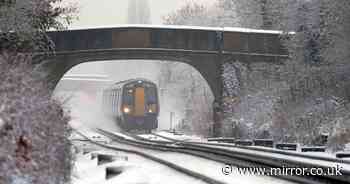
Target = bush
(34,129)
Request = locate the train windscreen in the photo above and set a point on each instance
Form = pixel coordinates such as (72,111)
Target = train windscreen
(151,95)
(129,96)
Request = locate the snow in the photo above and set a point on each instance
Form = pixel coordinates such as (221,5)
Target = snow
(135,170)
(228,29)
(315,155)
(179,137)
(1,123)
(75,124)
(213,169)
(154,137)
(347,147)
(86,170)
(148,26)
(203,166)
(319,154)
(85,79)
(247,30)
(297,156)
(122,135)
(85,76)
(89,134)
(321,163)
(145,171)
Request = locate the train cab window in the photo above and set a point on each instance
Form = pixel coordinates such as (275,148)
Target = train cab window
(151,95)
(129,96)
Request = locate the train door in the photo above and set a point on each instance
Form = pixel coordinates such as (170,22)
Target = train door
(139,101)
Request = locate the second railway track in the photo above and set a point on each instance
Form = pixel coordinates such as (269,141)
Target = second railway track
(217,153)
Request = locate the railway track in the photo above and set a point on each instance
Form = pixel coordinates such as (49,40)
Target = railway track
(241,157)
(171,165)
(262,149)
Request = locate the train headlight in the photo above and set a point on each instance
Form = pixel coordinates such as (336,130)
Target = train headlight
(126,110)
(152,108)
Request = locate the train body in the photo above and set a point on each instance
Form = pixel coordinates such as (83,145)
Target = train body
(133,104)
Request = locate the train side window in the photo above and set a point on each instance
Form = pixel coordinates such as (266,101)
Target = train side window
(103,101)
(117,98)
(110,100)
(106,101)
(114,101)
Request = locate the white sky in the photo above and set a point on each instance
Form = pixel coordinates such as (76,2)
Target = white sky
(112,12)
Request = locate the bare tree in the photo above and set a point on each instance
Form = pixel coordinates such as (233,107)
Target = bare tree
(192,13)
(139,12)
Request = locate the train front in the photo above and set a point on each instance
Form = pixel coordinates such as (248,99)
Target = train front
(140,105)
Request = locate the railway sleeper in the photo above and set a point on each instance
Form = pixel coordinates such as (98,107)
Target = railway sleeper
(113,172)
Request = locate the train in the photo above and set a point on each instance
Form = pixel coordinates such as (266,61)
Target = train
(133,104)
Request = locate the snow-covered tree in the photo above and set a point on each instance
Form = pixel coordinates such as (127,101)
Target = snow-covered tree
(181,81)
(23,23)
(34,128)
(303,99)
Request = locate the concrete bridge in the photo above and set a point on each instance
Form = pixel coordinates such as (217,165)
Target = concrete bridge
(76,82)
(203,48)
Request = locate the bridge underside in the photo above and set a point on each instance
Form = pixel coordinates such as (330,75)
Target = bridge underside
(206,63)
(206,49)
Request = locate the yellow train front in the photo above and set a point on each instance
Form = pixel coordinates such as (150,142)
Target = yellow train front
(133,104)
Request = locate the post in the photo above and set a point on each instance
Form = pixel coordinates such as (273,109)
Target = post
(171,120)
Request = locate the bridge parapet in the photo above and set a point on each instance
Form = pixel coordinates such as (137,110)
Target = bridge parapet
(232,41)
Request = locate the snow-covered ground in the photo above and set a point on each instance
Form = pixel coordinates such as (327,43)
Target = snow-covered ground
(153,137)
(141,170)
(344,166)
(135,169)
(180,137)
(298,152)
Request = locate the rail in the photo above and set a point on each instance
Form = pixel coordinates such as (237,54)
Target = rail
(244,157)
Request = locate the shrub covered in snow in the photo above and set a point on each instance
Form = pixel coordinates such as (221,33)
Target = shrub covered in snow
(34,129)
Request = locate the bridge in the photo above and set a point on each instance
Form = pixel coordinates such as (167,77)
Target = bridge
(75,82)
(204,48)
